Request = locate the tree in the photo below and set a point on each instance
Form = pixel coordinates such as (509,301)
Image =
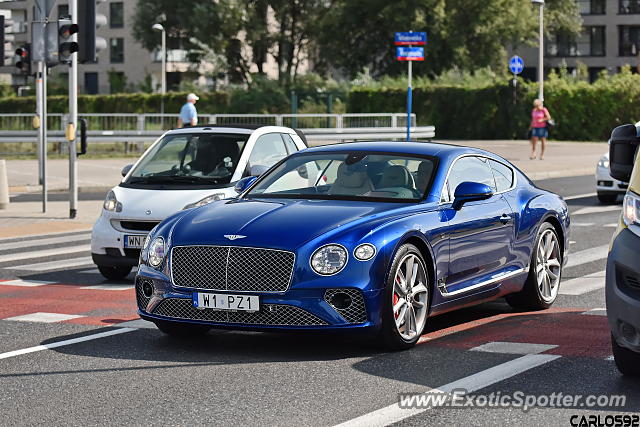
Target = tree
(467,34)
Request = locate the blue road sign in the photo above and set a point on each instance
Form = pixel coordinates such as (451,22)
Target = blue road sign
(409,53)
(407,38)
(516,64)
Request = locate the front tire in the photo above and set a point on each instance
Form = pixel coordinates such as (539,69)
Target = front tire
(627,361)
(113,272)
(405,304)
(545,270)
(607,199)
(181,330)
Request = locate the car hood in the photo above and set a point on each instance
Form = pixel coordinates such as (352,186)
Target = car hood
(280,224)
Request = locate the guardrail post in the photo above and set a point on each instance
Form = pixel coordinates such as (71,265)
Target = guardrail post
(279,120)
(394,121)
(141,126)
(339,121)
(4,185)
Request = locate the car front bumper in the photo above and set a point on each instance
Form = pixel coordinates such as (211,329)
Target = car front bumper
(297,308)
(605,184)
(623,290)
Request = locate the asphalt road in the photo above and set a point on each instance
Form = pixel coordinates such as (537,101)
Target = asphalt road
(133,374)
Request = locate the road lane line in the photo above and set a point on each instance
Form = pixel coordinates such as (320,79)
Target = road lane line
(580,196)
(597,209)
(42,242)
(393,413)
(587,255)
(44,253)
(41,317)
(53,265)
(513,347)
(584,284)
(25,283)
(65,342)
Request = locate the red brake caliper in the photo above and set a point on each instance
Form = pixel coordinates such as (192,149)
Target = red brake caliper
(395,301)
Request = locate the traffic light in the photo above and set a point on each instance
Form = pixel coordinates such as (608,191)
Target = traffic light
(89,20)
(23,59)
(66,47)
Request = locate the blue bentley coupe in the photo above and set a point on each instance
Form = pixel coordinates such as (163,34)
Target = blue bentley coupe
(375,236)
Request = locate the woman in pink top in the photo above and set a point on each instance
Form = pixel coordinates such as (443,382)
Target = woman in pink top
(539,118)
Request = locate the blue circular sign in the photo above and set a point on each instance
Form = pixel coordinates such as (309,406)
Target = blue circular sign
(516,64)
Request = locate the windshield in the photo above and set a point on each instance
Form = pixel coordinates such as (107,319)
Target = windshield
(348,175)
(191,158)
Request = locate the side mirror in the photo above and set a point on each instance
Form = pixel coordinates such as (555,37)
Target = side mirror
(622,151)
(125,170)
(470,192)
(244,183)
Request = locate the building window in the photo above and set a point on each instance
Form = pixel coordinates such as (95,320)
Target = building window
(63,11)
(628,7)
(628,40)
(590,42)
(592,7)
(116,15)
(117,50)
(91,83)
(117,81)
(594,73)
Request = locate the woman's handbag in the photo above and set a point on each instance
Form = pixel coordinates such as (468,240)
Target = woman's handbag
(551,124)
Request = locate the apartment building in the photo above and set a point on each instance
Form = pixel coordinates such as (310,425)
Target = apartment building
(124,62)
(610,39)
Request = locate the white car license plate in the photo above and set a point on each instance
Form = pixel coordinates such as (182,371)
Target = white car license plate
(226,302)
(134,241)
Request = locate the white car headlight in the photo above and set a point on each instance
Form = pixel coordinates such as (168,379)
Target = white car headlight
(631,209)
(329,259)
(206,201)
(157,252)
(112,204)
(603,162)
(364,252)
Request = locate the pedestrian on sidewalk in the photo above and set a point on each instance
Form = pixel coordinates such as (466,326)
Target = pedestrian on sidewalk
(539,118)
(188,112)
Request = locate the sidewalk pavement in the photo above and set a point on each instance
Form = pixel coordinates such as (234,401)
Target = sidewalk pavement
(562,159)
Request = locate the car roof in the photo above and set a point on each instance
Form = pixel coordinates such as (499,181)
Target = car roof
(402,147)
(246,129)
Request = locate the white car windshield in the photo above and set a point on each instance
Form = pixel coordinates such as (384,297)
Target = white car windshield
(198,158)
(350,176)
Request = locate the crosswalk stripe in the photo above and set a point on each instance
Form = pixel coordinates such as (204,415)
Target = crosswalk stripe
(44,253)
(584,284)
(581,224)
(43,235)
(25,283)
(42,242)
(53,265)
(597,209)
(109,287)
(596,312)
(44,317)
(587,255)
(579,196)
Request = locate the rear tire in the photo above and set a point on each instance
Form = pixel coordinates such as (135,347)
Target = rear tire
(627,361)
(405,292)
(113,272)
(181,330)
(607,199)
(536,293)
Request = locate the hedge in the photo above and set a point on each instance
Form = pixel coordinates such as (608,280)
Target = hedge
(582,111)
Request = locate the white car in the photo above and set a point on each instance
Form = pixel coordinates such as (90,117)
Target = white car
(185,168)
(607,188)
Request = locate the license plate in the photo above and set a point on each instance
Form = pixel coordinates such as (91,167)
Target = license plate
(203,300)
(134,241)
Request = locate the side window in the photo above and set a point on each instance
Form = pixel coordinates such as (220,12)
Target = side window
(268,150)
(473,169)
(503,175)
(288,141)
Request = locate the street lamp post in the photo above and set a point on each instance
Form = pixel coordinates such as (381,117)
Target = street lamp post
(540,50)
(159,27)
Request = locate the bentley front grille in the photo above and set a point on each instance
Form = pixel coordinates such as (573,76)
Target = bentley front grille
(269,314)
(232,268)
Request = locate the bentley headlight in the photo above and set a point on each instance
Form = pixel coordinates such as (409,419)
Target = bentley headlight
(603,162)
(631,209)
(157,252)
(206,201)
(329,259)
(364,252)
(112,204)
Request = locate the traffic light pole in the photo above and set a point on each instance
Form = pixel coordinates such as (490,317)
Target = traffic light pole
(73,119)
(41,94)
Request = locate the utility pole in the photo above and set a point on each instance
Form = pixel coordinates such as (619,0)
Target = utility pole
(41,112)
(540,3)
(73,118)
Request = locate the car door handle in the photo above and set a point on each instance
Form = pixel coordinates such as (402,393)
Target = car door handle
(505,219)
